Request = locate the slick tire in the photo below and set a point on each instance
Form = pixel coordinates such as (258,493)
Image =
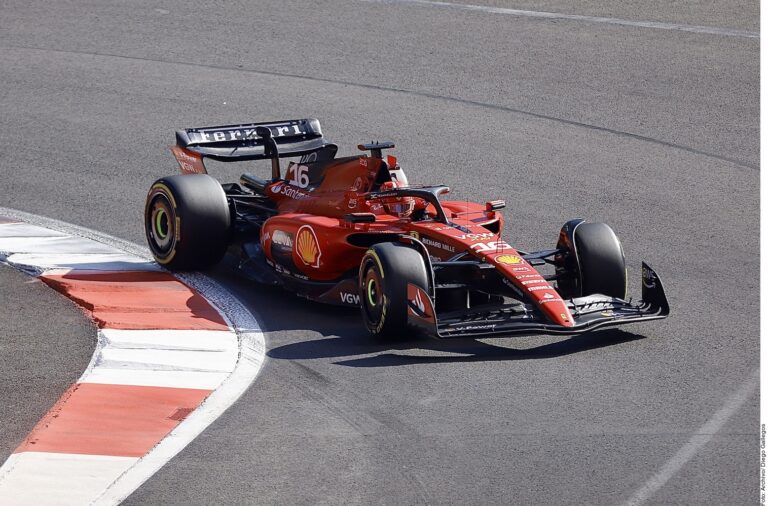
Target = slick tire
(385,271)
(600,258)
(187,222)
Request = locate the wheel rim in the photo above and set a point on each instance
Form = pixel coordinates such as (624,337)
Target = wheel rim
(372,291)
(373,297)
(161,225)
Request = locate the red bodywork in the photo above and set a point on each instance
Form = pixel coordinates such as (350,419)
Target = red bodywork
(310,236)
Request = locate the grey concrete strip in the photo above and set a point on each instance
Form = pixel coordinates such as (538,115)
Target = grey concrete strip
(711,30)
(702,436)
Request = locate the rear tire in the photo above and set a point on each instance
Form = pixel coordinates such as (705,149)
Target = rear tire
(187,221)
(385,271)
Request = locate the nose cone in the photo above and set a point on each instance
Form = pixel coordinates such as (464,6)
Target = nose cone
(535,287)
(556,310)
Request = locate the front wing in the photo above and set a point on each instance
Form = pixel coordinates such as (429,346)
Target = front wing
(589,313)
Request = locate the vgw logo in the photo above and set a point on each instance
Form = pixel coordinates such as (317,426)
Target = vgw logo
(350,298)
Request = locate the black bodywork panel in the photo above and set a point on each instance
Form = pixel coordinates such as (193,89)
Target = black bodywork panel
(231,143)
(589,313)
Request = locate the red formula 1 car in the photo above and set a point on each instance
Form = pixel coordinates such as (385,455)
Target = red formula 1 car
(351,231)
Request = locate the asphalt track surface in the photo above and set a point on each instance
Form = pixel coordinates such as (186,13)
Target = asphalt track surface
(653,131)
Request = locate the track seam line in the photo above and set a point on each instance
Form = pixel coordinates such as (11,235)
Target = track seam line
(700,438)
(659,25)
(643,138)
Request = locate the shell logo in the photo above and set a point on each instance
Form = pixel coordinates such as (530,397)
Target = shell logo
(307,246)
(509,259)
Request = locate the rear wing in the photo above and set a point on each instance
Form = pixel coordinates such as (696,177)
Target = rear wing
(232,143)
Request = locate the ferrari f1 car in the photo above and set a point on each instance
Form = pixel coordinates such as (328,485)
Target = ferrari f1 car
(351,231)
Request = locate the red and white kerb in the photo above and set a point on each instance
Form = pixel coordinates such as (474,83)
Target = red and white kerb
(162,350)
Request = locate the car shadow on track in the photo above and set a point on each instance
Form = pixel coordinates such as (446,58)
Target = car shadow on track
(464,350)
(344,336)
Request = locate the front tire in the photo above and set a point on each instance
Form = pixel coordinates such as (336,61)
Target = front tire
(594,263)
(385,271)
(187,221)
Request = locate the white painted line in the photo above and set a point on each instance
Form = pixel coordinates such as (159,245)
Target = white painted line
(35,478)
(710,30)
(199,359)
(35,263)
(697,441)
(181,340)
(129,374)
(172,360)
(26,230)
(52,245)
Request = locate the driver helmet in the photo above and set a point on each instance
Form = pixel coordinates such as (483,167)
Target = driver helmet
(400,207)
